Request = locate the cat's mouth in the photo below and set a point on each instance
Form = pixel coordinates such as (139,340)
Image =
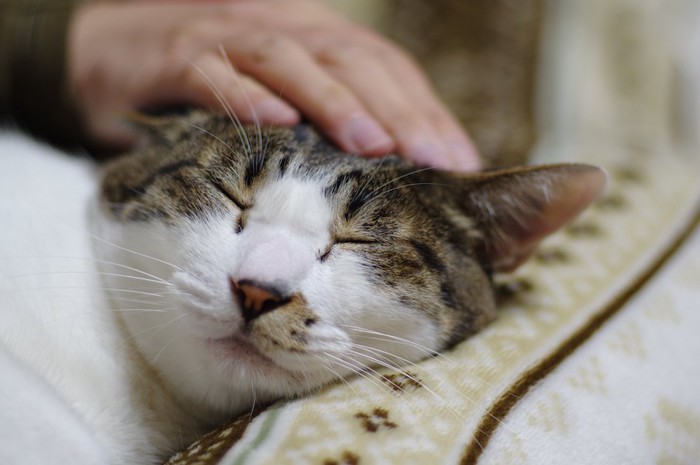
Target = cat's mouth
(238,349)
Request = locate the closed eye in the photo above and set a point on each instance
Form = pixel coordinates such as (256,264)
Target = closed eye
(227,193)
(354,240)
(345,241)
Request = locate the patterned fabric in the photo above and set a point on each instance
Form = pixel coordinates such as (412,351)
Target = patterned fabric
(593,358)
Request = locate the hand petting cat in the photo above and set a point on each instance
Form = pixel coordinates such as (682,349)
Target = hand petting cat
(270,60)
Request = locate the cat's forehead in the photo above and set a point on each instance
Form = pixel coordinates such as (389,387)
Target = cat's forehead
(187,174)
(299,152)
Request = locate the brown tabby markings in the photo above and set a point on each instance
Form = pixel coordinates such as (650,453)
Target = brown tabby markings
(429,239)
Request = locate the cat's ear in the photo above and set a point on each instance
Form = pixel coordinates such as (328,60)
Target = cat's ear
(515,209)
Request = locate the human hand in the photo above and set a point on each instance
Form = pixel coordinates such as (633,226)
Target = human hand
(269,60)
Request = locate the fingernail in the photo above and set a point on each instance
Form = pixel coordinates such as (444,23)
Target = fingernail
(466,158)
(366,136)
(276,111)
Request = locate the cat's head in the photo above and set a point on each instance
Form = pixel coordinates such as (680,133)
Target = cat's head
(264,264)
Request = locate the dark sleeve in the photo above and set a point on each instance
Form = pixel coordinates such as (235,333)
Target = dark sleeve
(33,88)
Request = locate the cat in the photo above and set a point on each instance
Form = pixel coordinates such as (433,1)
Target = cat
(219,266)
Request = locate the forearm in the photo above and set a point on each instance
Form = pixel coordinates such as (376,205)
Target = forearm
(33,87)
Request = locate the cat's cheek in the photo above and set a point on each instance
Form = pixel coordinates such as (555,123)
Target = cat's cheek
(323,343)
(208,296)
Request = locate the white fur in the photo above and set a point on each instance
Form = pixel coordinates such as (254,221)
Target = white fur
(65,385)
(76,383)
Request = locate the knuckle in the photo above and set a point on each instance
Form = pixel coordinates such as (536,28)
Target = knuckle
(268,48)
(183,38)
(340,54)
(338,102)
(406,120)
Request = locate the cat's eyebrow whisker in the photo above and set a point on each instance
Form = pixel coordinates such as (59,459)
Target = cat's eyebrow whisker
(134,252)
(256,119)
(224,104)
(416,171)
(403,186)
(362,188)
(209,133)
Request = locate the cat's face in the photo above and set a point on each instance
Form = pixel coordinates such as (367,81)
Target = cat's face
(270,264)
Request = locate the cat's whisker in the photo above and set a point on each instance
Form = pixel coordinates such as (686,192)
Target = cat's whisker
(249,103)
(437,356)
(326,366)
(382,362)
(363,371)
(142,310)
(82,288)
(111,244)
(134,301)
(393,180)
(94,260)
(136,278)
(397,388)
(88,272)
(362,188)
(403,186)
(113,310)
(384,353)
(401,371)
(384,336)
(262,144)
(217,138)
(306,376)
(156,329)
(131,268)
(160,352)
(224,104)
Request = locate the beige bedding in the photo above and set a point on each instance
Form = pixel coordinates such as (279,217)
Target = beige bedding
(594,356)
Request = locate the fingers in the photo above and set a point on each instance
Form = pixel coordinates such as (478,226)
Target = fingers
(211,81)
(285,65)
(365,103)
(268,62)
(464,154)
(422,127)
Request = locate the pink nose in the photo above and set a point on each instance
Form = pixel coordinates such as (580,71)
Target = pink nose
(256,298)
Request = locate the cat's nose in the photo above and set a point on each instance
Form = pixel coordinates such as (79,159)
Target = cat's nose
(256,298)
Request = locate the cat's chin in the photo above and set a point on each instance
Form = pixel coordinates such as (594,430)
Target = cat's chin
(242,353)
